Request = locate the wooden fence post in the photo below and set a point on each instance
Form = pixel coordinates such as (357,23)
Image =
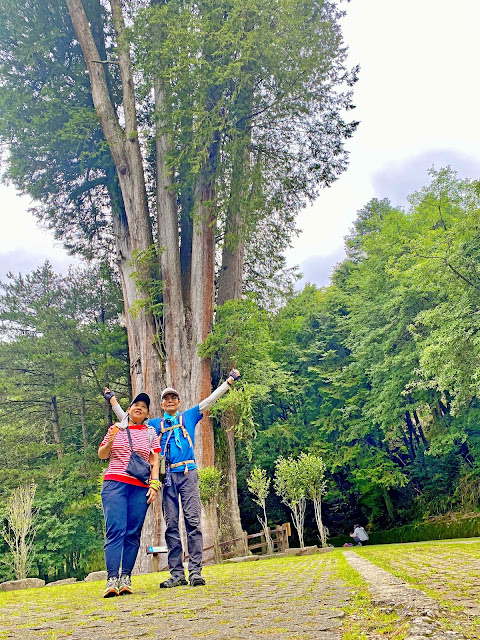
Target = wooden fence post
(245,543)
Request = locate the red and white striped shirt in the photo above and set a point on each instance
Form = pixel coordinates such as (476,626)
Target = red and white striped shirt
(120,453)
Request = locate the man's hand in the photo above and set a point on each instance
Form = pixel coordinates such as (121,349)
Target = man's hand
(234,375)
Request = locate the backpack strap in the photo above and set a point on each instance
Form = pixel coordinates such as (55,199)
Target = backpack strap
(151,434)
(180,424)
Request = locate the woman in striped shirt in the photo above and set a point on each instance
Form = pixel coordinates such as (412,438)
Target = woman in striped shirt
(125,499)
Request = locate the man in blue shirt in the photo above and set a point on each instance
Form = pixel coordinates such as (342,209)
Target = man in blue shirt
(177,437)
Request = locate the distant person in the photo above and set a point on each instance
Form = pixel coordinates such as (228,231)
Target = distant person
(359,535)
(130,484)
(177,437)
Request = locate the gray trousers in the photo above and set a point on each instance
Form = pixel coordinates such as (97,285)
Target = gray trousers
(185,487)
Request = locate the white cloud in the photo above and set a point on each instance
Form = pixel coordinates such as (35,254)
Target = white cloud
(24,245)
(417,101)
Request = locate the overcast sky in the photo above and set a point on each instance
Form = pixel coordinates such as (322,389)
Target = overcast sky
(417,100)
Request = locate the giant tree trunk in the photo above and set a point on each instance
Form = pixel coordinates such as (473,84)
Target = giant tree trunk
(188,274)
(230,288)
(187,306)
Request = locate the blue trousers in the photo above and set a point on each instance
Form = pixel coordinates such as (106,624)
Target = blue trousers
(185,487)
(124,507)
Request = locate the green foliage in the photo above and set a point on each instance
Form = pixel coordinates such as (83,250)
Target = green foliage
(259,485)
(446,528)
(312,472)
(290,486)
(56,150)
(255,101)
(146,276)
(289,481)
(210,479)
(232,68)
(383,370)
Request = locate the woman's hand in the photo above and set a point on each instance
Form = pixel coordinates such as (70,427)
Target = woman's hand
(151,494)
(112,432)
(105,450)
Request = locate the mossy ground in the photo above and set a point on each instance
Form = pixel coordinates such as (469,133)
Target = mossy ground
(318,596)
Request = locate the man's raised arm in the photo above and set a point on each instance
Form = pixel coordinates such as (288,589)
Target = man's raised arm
(218,393)
(203,405)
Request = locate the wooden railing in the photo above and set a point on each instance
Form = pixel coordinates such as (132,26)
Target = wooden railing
(245,544)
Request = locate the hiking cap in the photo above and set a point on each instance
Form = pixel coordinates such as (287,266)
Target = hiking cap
(142,397)
(168,390)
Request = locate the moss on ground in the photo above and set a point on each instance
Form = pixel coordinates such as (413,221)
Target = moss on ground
(291,597)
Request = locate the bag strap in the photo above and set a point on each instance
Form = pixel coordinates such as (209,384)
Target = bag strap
(130,439)
(151,435)
(164,429)
(167,441)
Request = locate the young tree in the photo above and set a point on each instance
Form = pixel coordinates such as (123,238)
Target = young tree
(259,484)
(312,470)
(21,532)
(290,486)
(210,479)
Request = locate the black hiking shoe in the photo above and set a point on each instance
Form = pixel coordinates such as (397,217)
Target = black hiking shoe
(196,580)
(177,581)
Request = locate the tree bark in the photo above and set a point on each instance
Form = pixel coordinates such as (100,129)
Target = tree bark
(56,426)
(230,280)
(388,504)
(230,283)
(202,296)
(419,426)
(83,422)
(175,339)
(410,431)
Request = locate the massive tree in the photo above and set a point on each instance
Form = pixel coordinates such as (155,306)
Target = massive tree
(218,121)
